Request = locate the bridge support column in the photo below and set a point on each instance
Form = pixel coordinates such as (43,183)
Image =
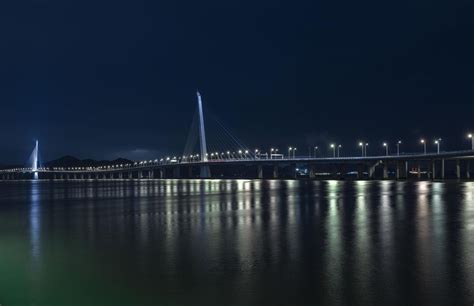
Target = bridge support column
(177,172)
(385,170)
(162,173)
(205,171)
(130,175)
(151,174)
(372,171)
(260,172)
(433,169)
(407,173)
(120,175)
(293,173)
(419,171)
(442,169)
(360,171)
(140,175)
(458,169)
(312,171)
(275,172)
(468,169)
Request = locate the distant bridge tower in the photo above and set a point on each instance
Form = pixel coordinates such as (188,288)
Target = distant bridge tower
(34,165)
(205,171)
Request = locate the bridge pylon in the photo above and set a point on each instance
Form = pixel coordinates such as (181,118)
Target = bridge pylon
(34,166)
(205,172)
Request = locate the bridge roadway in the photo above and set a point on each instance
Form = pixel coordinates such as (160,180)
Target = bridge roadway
(421,166)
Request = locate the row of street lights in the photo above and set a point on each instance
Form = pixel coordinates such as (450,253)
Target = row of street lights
(364,145)
(244,154)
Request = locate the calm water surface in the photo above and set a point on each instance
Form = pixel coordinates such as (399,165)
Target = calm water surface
(236,242)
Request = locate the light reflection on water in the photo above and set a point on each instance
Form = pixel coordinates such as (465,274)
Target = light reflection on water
(237,242)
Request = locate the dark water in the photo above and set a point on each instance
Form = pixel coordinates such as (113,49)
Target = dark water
(236,242)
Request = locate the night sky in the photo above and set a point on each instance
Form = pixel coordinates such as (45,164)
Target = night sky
(103,79)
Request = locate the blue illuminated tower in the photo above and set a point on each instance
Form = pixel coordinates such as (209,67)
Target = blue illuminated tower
(205,172)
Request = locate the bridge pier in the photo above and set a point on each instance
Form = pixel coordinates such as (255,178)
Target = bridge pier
(458,169)
(442,169)
(260,172)
(407,174)
(372,170)
(385,170)
(433,169)
(151,174)
(468,169)
(177,172)
(140,175)
(205,171)
(419,171)
(293,171)
(275,172)
(130,175)
(312,173)
(120,175)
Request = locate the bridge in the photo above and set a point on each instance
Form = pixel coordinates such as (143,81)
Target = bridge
(244,163)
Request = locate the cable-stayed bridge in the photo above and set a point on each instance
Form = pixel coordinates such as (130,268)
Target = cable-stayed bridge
(229,158)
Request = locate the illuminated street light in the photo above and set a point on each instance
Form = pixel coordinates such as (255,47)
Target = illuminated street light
(315,149)
(338,150)
(289,152)
(333,147)
(424,145)
(438,142)
(398,147)
(386,148)
(294,152)
(363,147)
(472,141)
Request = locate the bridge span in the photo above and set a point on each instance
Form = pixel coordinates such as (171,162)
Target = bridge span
(245,164)
(443,165)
